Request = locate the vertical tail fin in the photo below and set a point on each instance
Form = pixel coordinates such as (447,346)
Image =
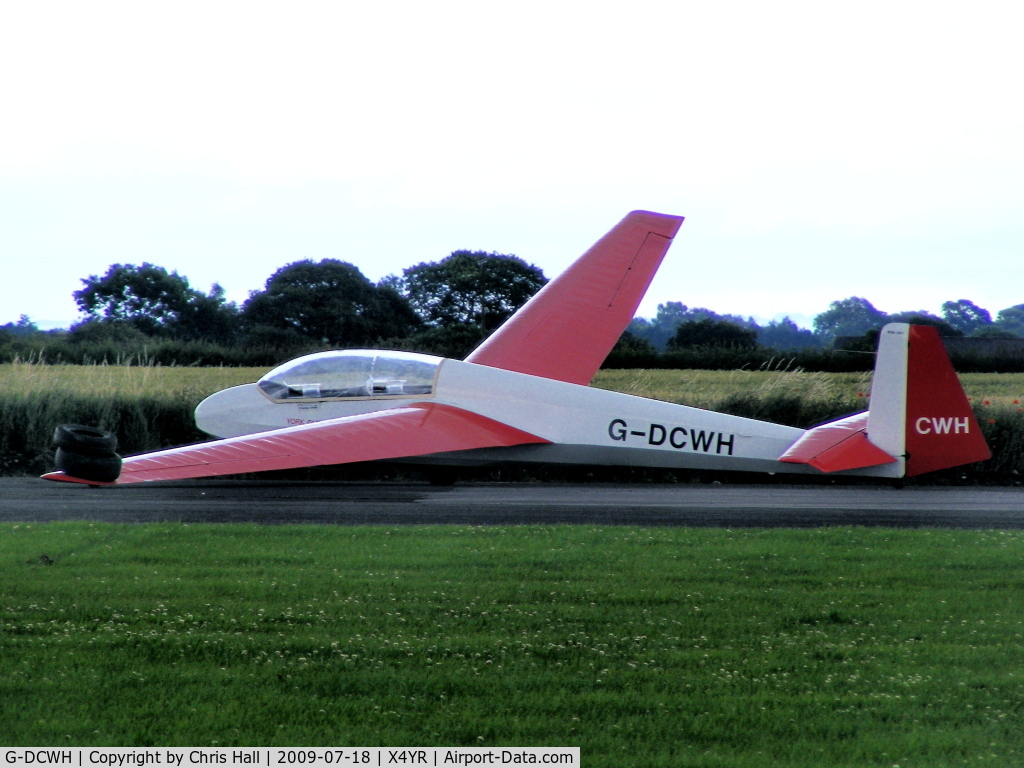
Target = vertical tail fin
(567,330)
(918,408)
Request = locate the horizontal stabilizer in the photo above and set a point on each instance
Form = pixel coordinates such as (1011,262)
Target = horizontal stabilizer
(837,446)
(414,430)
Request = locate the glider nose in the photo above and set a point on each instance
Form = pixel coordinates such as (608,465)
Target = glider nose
(235,411)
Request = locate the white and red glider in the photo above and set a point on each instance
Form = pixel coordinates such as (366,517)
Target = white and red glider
(522,397)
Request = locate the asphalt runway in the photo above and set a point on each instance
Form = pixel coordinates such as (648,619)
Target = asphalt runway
(346,503)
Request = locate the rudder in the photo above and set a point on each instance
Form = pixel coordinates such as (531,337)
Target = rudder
(941,428)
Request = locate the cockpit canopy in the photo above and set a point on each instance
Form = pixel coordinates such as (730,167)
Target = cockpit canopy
(352,373)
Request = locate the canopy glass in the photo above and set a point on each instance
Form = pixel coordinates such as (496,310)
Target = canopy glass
(352,373)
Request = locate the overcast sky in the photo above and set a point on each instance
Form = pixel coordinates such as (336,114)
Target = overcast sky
(818,150)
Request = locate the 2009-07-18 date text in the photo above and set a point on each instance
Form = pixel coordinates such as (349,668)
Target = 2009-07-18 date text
(311,757)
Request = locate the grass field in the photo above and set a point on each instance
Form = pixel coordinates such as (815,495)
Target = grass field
(699,388)
(691,387)
(645,647)
(121,380)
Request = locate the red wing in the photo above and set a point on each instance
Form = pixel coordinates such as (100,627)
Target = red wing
(567,330)
(413,430)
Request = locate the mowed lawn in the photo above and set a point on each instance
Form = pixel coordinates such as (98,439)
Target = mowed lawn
(643,646)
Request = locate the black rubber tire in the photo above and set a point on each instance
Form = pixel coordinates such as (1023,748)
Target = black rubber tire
(87,441)
(98,469)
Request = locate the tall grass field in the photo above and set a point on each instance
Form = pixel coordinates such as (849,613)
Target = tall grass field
(645,647)
(150,407)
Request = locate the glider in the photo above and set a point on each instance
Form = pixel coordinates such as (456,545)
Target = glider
(522,397)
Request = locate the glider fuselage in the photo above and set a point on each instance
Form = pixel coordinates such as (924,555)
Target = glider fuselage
(580,424)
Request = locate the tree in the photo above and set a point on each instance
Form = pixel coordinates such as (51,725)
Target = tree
(24,327)
(662,327)
(156,302)
(713,333)
(641,328)
(966,316)
(119,333)
(848,317)
(469,287)
(629,345)
(785,334)
(146,296)
(331,302)
(1011,319)
(208,316)
(670,315)
(454,340)
(993,331)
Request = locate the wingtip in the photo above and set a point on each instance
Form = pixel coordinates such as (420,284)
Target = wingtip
(665,224)
(63,477)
